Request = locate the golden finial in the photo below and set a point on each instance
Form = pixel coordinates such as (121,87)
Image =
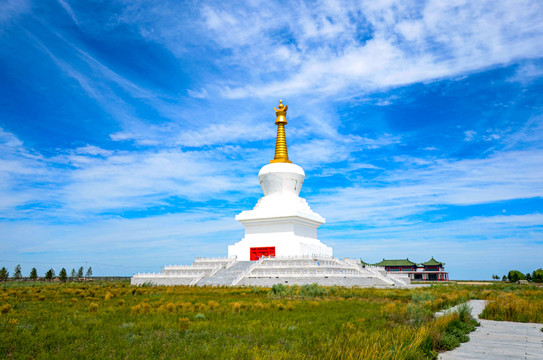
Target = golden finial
(281,154)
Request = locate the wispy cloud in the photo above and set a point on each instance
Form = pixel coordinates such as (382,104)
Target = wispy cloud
(419,186)
(11,9)
(66,6)
(374,46)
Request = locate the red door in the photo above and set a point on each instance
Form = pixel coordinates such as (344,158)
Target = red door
(257,252)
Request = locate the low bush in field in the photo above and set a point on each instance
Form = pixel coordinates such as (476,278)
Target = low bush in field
(524,307)
(116,320)
(458,329)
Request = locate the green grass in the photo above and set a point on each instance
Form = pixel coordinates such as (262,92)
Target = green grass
(116,320)
(515,303)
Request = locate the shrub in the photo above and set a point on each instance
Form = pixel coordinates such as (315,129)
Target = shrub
(313,290)
(278,289)
(457,330)
(212,304)
(186,307)
(422,297)
(4,309)
(183,323)
(515,275)
(449,342)
(142,308)
(537,276)
(509,307)
(418,314)
(199,306)
(290,306)
(170,307)
(257,306)
(235,306)
(464,312)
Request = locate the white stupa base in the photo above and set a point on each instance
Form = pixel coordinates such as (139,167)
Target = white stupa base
(284,247)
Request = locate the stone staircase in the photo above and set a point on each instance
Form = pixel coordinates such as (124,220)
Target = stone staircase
(225,276)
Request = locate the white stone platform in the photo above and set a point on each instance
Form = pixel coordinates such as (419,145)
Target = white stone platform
(266,272)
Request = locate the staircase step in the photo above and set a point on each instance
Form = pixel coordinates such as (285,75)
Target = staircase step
(225,276)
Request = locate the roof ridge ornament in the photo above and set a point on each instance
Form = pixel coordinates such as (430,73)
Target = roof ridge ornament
(281,154)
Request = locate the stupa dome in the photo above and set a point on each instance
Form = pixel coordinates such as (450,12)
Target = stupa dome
(281,178)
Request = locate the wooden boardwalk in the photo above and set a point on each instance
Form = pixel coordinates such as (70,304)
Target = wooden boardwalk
(497,340)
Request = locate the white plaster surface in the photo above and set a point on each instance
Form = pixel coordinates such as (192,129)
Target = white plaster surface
(497,340)
(280,218)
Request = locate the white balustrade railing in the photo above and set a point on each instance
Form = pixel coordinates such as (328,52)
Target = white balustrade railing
(180,267)
(223,259)
(162,275)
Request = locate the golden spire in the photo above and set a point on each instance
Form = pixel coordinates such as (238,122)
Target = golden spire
(281,155)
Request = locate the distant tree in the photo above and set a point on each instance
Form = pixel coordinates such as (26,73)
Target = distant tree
(537,276)
(33,274)
(528,277)
(50,274)
(495,277)
(73,274)
(17,272)
(62,275)
(80,272)
(4,274)
(89,272)
(515,275)
(504,278)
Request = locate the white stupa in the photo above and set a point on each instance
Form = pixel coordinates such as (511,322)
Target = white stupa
(280,243)
(282,223)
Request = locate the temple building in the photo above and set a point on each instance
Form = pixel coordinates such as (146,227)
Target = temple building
(431,270)
(280,243)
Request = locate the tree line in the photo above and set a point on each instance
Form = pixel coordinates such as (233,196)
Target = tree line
(515,275)
(49,275)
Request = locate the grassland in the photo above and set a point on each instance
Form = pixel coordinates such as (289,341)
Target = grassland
(116,320)
(522,305)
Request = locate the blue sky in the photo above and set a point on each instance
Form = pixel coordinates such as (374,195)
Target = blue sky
(132,132)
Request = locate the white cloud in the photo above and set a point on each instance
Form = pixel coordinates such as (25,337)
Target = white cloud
(225,133)
(11,9)
(407,43)
(7,139)
(66,6)
(93,150)
(89,180)
(527,73)
(198,94)
(469,135)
